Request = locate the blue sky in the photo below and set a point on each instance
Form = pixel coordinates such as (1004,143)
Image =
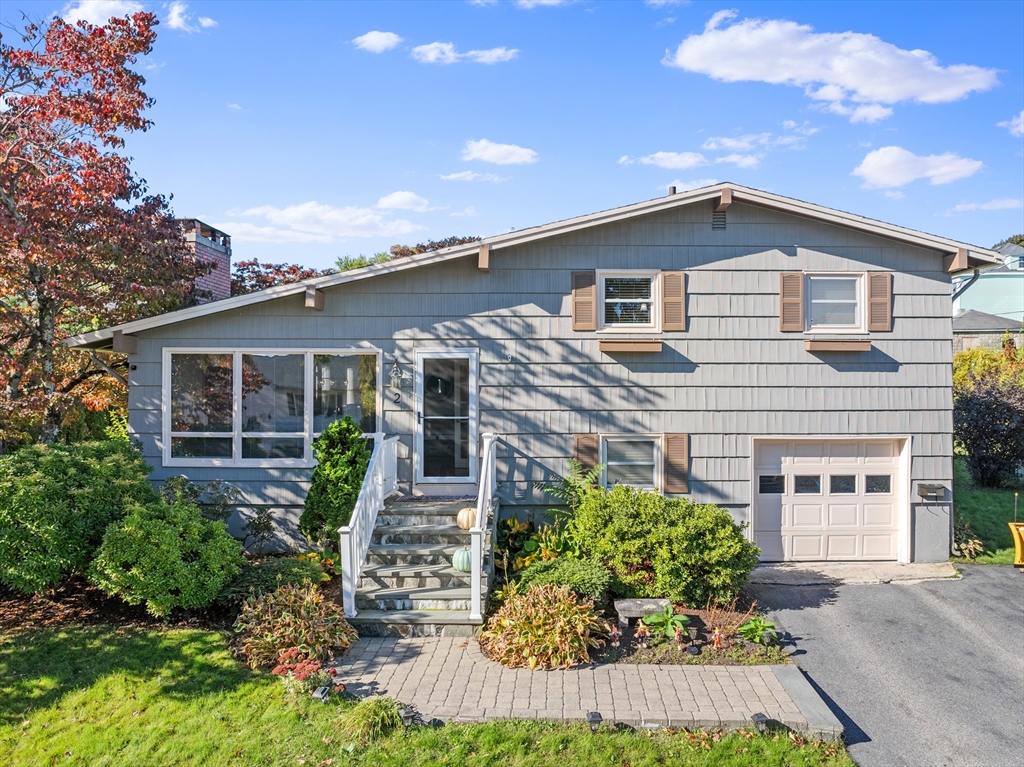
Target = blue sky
(309,131)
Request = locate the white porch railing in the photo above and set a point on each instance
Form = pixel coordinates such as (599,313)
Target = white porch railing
(486,518)
(381,481)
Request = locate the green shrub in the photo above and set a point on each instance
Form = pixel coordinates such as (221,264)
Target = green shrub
(216,499)
(166,556)
(342,458)
(664,547)
(588,579)
(269,575)
(56,503)
(546,627)
(292,617)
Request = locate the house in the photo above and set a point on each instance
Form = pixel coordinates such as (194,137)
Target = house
(786,361)
(973,330)
(998,290)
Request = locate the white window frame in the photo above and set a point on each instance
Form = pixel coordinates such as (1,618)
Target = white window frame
(862,299)
(654,326)
(236,460)
(659,459)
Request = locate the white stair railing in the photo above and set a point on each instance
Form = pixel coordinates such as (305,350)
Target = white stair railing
(380,481)
(486,506)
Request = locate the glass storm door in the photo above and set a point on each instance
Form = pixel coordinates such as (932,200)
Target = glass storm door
(446,416)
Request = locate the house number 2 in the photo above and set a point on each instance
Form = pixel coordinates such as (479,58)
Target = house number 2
(398,397)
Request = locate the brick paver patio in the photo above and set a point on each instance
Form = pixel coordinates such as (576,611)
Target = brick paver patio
(450,679)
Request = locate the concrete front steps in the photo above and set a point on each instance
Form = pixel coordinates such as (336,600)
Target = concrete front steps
(408,587)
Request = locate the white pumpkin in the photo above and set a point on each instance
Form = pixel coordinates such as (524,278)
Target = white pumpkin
(466,518)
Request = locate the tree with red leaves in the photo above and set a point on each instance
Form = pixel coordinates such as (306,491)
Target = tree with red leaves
(82,242)
(250,276)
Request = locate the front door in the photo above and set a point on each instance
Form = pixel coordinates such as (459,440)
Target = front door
(446,416)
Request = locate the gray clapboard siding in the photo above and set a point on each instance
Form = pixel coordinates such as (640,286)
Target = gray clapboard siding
(732,373)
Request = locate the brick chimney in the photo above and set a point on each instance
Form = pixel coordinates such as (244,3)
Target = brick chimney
(214,246)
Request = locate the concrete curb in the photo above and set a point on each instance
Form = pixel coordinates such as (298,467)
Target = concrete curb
(846,574)
(821,722)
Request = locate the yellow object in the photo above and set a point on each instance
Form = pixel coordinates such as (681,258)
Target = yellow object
(1017,530)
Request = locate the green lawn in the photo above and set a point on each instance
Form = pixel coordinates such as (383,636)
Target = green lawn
(987,511)
(107,696)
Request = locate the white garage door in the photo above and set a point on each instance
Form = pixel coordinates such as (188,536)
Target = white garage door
(826,500)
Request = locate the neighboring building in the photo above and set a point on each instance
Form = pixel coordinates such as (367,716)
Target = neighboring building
(789,362)
(213,246)
(972,330)
(998,291)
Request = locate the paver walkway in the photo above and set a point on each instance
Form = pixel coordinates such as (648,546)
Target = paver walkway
(450,679)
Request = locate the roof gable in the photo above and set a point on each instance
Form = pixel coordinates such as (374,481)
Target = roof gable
(726,192)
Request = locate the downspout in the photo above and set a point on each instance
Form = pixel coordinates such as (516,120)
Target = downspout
(952,522)
(959,291)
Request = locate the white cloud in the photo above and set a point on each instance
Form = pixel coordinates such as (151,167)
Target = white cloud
(671,160)
(403,201)
(741,160)
(1005,203)
(377,42)
(742,144)
(894,195)
(483,2)
(446,53)
(468,212)
(98,12)
(665,3)
(244,231)
(869,113)
(833,67)
(1015,124)
(469,175)
(178,18)
(685,186)
(234,106)
(894,166)
(804,129)
(499,154)
(315,222)
(492,55)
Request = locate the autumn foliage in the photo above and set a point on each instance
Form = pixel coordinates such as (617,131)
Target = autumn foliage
(250,276)
(83,244)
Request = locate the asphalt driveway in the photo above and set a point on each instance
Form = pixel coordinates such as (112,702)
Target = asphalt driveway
(922,675)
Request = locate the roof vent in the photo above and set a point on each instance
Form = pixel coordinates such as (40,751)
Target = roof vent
(671,191)
(718,219)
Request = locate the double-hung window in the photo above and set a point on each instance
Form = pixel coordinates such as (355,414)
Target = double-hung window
(835,302)
(629,300)
(262,407)
(631,461)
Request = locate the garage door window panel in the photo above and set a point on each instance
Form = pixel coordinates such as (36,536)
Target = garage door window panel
(842,484)
(805,484)
(878,484)
(771,484)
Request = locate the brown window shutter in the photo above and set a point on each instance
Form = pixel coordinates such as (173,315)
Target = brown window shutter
(677,463)
(880,301)
(791,302)
(586,450)
(673,301)
(584,301)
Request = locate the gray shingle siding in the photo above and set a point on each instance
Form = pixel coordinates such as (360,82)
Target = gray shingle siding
(731,375)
